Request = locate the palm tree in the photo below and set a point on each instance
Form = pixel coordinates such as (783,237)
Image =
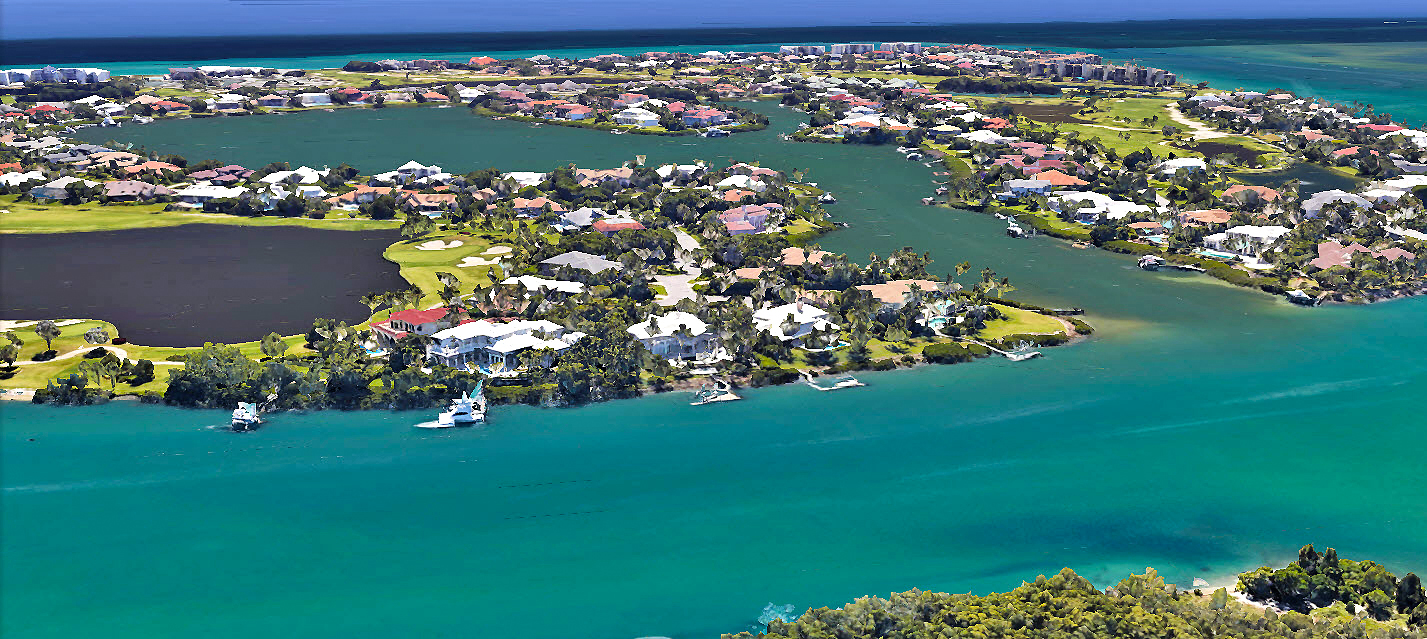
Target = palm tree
(372,301)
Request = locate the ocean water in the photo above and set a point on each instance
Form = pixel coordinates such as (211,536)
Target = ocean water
(1204,430)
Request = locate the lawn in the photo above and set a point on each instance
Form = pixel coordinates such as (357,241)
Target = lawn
(72,338)
(32,217)
(1019,321)
(420,267)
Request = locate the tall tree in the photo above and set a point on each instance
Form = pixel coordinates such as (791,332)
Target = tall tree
(272,345)
(48,331)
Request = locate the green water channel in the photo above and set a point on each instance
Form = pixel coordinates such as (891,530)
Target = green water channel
(1204,430)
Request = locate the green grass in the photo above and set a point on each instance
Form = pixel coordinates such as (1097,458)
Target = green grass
(420,267)
(1019,322)
(32,217)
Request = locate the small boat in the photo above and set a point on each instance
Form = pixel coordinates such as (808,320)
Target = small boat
(708,395)
(827,198)
(915,157)
(1301,298)
(1150,262)
(464,411)
(616,132)
(1015,231)
(245,417)
(715,133)
(139,119)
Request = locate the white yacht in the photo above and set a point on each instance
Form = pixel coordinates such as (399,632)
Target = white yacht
(464,411)
(245,416)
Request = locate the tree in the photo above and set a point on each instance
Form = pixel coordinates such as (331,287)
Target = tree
(372,301)
(272,345)
(96,335)
(48,331)
(11,350)
(1409,593)
(417,225)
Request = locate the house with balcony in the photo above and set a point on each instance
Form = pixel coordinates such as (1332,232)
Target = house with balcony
(497,346)
(676,335)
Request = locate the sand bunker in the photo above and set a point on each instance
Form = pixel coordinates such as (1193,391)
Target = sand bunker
(497,250)
(476,261)
(438,245)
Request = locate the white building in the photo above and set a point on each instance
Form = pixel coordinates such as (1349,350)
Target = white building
(1170,167)
(663,337)
(806,317)
(200,193)
(533,283)
(1313,206)
(299,175)
(852,49)
(496,345)
(902,47)
(56,190)
(1021,188)
(16,178)
(53,74)
(642,118)
(802,49)
(1246,239)
(314,99)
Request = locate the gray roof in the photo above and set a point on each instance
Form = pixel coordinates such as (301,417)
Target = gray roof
(583,261)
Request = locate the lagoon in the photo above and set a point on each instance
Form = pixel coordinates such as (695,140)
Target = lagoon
(1205,429)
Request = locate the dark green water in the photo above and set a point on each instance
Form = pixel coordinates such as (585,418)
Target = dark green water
(1205,430)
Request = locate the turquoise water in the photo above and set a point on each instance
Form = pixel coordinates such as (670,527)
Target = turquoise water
(1204,430)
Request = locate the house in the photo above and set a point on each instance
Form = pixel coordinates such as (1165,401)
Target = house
(1247,239)
(299,175)
(432,96)
(152,166)
(595,177)
(1313,206)
(1148,229)
(676,335)
(411,321)
(745,182)
(1332,253)
(577,219)
(57,189)
(1058,179)
(1249,194)
(314,99)
(133,190)
(797,256)
(705,117)
(792,322)
(432,204)
(199,194)
(16,178)
(536,206)
(532,283)
(749,218)
(1192,165)
(496,346)
(637,117)
(894,294)
(579,261)
(228,102)
(1021,188)
(1204,217)
(611,225)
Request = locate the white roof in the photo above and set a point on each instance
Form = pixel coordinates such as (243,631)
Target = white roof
(209,190)
(1321,198)
(15,178)
(304,175)
(669,323)
(1170,166)
(986,136)
(533,283)
(739,181)
(66,181)
(1271,232)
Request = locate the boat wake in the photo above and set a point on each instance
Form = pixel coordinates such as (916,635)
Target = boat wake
(431,424)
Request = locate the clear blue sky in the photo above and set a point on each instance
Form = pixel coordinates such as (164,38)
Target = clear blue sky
(87,18)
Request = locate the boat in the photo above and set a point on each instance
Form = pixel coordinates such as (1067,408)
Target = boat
(1301,298)
(1015,231)
(915,157)
(720,393)
(846,381)
(139,119)
(715,133)
(615,132)
(464,411)
(827,198)
(1151,262)
(245,417)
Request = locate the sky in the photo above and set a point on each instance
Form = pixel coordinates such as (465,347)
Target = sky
(100,18)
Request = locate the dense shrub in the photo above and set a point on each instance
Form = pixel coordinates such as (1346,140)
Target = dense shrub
(952,353)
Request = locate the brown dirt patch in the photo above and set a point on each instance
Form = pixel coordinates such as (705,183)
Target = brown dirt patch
(1053,113)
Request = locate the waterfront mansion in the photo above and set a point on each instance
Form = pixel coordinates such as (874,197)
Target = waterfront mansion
(495,346)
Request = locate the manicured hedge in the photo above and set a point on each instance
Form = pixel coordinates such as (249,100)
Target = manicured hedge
(952,353)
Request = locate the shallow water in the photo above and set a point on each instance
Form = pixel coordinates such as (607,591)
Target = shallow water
(1205,429)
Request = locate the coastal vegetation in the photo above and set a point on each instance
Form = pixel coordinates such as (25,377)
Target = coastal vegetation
(1068,605)
(1322,580)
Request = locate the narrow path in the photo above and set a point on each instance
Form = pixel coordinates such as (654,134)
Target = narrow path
(1200,130)
(118,352)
